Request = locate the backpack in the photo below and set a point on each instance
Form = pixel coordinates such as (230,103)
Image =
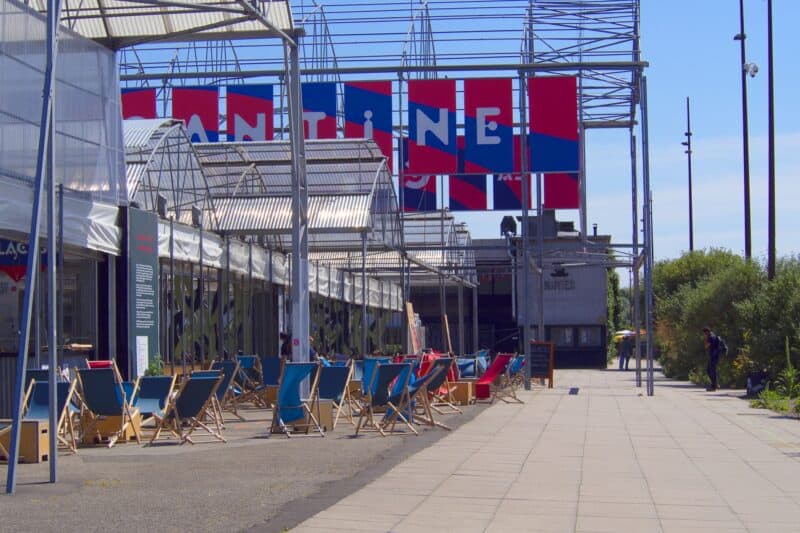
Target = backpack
(722,348)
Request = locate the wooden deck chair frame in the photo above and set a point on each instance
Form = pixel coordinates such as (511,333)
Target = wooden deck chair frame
(229,401)
(174,424)
(309,406)
(136,393)
(506,388)
(65,425)
(216,409)
(444,403)
(248,385)
(423,412)
(346,399)
(396,412)
(126,416)
(367,417)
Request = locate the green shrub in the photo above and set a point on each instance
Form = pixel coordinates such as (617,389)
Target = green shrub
(156,366)
(772,400)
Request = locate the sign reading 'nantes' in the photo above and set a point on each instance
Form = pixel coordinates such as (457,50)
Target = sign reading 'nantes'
(142,288)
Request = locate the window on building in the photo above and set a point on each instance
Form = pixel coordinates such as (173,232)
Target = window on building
(590,336)
(563,336)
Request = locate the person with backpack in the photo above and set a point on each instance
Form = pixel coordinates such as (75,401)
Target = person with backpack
(716,348)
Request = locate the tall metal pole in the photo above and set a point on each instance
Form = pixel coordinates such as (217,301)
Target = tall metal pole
(525,233)
(52,301)
(771,150)
(688,144)
(364,294)
(300,309)
(45,151)
(648,236)
(636,283)
(741,36)
(202,298)
(173,329)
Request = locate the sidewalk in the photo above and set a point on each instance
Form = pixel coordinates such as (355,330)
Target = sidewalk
(593,454)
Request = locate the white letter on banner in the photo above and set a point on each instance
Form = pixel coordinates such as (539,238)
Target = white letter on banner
(425,125)
(368,124)
(481,114)
(195,127)
(243,128)
(313,118)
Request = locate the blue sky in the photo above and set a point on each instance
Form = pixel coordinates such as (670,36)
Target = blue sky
(691,51)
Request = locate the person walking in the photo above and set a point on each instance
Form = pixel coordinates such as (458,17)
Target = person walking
(712,343)
(286,347)
(625,349)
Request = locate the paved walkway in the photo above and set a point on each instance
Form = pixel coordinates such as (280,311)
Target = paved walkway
(594,454)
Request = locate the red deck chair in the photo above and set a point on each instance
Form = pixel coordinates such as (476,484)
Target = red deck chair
(483,387)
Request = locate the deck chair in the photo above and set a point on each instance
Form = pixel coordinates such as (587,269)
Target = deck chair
(270,376)
(512,378)
(378,395)
(334,384)
(440,390)
(104,397)
(37,407)
(248,379)
(35,374)
(151,396)
(466,367)
(102,363)
(400,396)
(290,411)
(187,410)
(483,387)
(419,399)
(226,393)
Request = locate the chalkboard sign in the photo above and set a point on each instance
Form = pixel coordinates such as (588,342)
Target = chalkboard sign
(542,360)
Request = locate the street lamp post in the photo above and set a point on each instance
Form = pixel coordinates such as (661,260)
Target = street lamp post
(688,144)
(771,151)
(746,68)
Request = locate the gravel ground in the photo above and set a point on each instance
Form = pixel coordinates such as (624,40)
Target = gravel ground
(254,482)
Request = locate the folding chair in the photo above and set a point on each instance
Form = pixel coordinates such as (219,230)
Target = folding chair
(37,407)
(290,410)
(104,397)
(187,410)
(35,374)
(400,396)
(151,396)
(267,390)
(512,378)
(418,399)
(442,402)
(466,367)
(483,387)
(248,379)
(334,384)
(227,397)
(378,396)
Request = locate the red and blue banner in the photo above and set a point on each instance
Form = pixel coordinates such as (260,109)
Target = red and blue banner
(319,110)
(432,127)
(138,102)
(250,112)
(198,107)
(508,186)
(368,114)
(488,125)
(467,191)
(14,259)
(418,192)
(561,191)
(553,104)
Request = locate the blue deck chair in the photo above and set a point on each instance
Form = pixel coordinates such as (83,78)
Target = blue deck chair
(334,385)
(248,379)
(290,410)
(400,396)
(37,407)
(466,367)
(152,395)
(442,403)
(35,374)
(511,380)
(358,371)
(227,395)
(378,394)
(187,410)
(104,397)
(418,399)
(370,364)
